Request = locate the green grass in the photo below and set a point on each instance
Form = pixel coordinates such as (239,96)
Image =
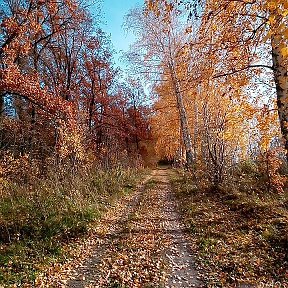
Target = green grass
(37,220)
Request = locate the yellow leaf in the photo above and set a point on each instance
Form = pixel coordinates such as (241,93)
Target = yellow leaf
(272,5)
(285,13)
(284,51)
(285,33)
(268,36)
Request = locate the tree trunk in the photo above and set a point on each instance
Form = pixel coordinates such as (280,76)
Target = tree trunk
(91,107)
(135,124)
(183,119)
(2,104)
(281,81)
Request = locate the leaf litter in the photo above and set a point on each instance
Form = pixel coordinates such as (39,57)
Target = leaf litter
(140,243)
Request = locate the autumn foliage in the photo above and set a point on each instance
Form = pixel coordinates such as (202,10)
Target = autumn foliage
(72,128)
(61,98)
(215,56)
(227,63)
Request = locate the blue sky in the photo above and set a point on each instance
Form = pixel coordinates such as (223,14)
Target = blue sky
(113,12)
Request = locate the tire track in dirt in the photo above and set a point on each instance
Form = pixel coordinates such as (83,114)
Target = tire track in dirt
(143,244)
(181,261)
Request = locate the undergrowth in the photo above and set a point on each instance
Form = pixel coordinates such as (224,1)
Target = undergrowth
(36,219)
(240,233)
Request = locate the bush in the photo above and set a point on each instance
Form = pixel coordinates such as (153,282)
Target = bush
(248,167)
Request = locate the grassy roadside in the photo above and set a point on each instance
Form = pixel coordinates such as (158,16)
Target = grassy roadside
(38,220)
(240,237)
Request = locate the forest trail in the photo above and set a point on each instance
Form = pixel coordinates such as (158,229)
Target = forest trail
(144,245)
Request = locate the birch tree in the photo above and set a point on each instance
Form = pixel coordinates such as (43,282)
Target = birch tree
(157,54)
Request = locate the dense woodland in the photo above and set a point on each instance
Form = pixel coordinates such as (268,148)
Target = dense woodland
(62,99)
(75,130)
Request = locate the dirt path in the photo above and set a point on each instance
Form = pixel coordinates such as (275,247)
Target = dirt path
(181,260)
(143,246)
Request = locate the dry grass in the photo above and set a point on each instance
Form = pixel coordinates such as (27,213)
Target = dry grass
(37,219)
(240,236)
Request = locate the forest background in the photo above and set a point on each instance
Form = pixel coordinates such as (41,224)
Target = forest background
(74,131)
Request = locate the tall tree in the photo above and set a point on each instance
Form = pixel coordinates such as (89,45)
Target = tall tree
(256,30)
(159,48)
